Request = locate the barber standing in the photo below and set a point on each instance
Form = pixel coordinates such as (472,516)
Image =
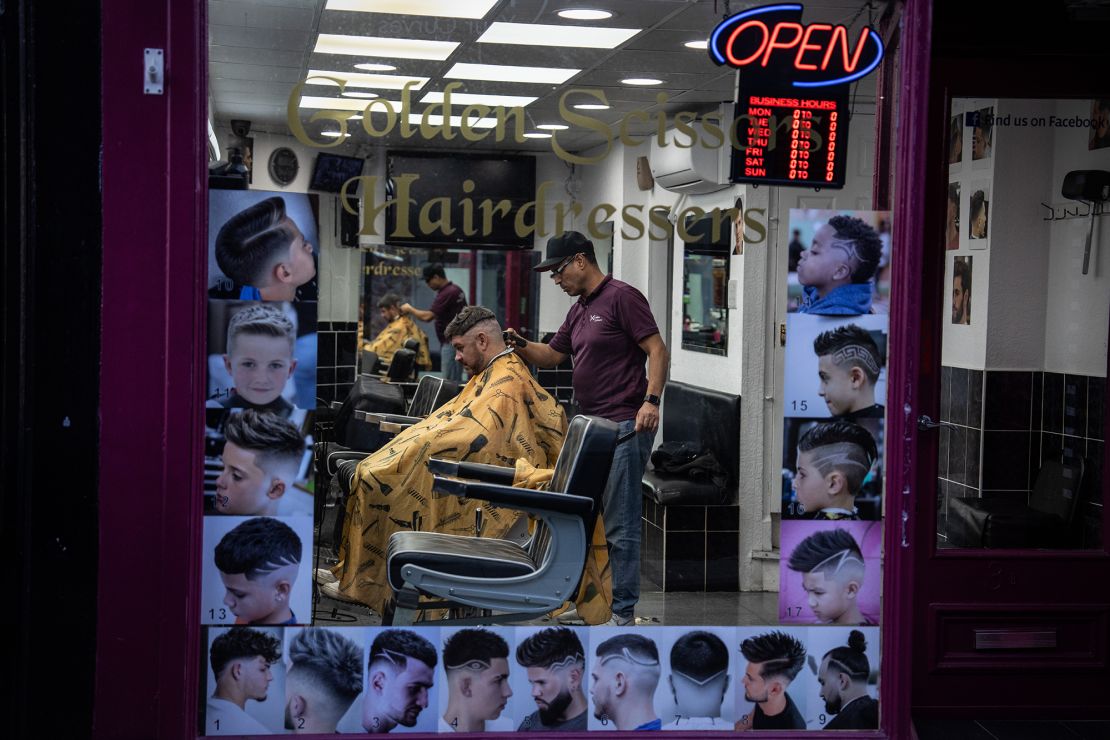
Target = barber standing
(449,300)
(610,332)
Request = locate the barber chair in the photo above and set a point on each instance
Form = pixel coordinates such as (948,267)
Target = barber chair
(1045,520)
(501,579)
(367,429)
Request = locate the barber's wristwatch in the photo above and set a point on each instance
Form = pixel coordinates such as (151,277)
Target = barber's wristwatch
(652,399)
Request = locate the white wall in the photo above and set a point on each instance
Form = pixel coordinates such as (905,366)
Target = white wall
(1076,324)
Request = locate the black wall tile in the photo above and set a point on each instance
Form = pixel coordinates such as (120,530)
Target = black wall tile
(345,348)
(685,561)
(945,442)
(972,457)
(345,375)
(1008,399)
(959,395)
(942,505)
(957,457)
(1074,448)
(1052,447)
(1053,403)
(975,398)
(684,518)
(722,554)
(1006,460)
(342,390)
(722,518)
(326,393)
(325,375)
(1075,405)
(945,393)
(1096,408)
(1095,461)
(1036,423)
(325,352)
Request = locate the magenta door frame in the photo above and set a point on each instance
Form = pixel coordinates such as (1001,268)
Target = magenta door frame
(152,379)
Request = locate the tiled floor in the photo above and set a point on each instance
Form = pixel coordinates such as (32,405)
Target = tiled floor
(952,729)
(655,608)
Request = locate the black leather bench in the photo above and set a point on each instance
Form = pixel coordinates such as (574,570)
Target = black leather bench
(690,529)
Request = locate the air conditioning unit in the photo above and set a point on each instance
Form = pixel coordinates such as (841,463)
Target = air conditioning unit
(681,168)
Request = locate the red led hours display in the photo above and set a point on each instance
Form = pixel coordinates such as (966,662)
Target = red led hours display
(791,140)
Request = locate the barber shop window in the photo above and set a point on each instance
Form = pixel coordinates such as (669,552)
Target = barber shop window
(705,268)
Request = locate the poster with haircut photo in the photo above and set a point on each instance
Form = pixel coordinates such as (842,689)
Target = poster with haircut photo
(1100,124)
(981,123)
(262,356)
(978,214)
(832,469)
(952,217)
(400,694)
(961,290)
(845,661)
(324,677)
(835,366)
(473,680)
(955,141)
(625,670)
(550,679)
(256,570)
(830,573)
(774,686)
(262,245)
(843,262)
(696,690)
(245,688)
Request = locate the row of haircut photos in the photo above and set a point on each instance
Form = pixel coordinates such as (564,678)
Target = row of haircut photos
(272,680)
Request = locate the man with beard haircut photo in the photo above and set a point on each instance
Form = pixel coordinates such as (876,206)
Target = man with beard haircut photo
(400,673)
(556,663)
(843,678)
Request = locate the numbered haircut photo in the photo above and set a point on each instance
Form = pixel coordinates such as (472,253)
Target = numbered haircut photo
(806,387)
(245,688)
(843,269)
(831,552)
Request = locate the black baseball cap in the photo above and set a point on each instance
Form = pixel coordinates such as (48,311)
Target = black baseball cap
(567,244)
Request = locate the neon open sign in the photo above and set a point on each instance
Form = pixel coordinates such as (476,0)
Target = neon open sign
(771,40)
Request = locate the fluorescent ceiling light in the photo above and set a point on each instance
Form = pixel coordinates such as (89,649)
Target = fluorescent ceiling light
(379,67)
(361,79)
(553,126)
(441,8)
(502,73)
(378,46)
(323,103)
(462,98)
(591,106)
(584,14)
(536,135)
(537,34)
(703,44)
(641,81)
(353,94)
(334,134)
(435,120)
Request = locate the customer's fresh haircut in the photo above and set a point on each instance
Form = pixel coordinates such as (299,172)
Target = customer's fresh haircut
(841,446)
(389,300)
(260,319)
(468,318)
(850,346)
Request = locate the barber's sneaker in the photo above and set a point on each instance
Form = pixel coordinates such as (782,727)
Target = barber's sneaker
(619,621)
(570,616)
(324,575)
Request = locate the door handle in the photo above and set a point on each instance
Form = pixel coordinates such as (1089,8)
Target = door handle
(925,423)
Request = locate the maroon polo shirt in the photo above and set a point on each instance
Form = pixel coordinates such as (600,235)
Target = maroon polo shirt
(602,332)
(449,301)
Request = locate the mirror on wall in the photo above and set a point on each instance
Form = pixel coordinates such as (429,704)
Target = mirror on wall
(705,274)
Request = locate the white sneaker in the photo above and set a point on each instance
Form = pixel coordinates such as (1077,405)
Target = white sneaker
(324,575)
(618,621)
(570,616)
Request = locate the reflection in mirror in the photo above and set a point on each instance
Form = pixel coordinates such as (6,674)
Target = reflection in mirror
(705,267)
(1024,353)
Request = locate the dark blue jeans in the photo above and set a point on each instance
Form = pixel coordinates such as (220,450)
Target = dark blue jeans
(621,508)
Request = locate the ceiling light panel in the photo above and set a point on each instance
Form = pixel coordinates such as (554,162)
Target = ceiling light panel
(380,46)
(462,98)
(435,8)
(358,79)
(351,104)
(584,14)
(501,73)
(537,34)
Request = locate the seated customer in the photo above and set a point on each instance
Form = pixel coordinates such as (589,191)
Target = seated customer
(262,250)
(393,336)
(848,365)
(838,267)
(501,415)
(834,458)
(261,460)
